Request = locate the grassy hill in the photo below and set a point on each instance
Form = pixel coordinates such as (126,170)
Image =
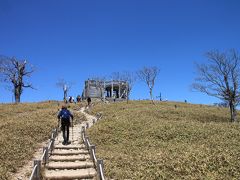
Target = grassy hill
(142,141)
(22,128)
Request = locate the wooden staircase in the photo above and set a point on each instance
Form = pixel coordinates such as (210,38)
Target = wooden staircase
(70,161)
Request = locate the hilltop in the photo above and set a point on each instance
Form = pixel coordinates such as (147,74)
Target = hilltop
(168,140)
(137,140)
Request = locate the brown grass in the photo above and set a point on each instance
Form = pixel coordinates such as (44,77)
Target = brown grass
(142,141)
(22,128)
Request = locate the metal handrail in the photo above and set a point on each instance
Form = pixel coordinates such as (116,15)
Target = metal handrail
(101,172)
(88,143)
(94,156)
(44,153)
(33,171)
(50,144)
(53,135)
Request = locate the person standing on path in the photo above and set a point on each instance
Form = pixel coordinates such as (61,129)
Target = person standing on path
(65,116)
(89,101)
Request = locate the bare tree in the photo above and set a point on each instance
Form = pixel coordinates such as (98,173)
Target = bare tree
(130,78)
(14,71)
(66,86)
(116,76)
(220,78)
(148,75)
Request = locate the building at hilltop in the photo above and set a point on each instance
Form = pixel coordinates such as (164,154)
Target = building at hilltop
(110,90)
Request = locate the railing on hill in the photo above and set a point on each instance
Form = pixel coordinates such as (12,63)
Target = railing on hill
(98,163)
(36,171)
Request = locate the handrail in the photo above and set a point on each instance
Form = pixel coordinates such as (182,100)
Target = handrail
(44,158)
(94,156)
(101,172)
(33,172)
(88,143)
(50,144)
(91,148)
(43,155)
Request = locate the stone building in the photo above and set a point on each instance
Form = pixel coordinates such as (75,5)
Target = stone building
(105,89)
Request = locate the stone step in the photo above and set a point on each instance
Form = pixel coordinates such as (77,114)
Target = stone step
(70,174)
(81,146)
(70,165)
(69,158)
(69,152)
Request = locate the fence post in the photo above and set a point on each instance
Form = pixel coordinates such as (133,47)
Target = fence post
(52,139)
(87,125)
(53,133)
(38,169)
(86,142)
(46,155)
(99,162)
(83,134)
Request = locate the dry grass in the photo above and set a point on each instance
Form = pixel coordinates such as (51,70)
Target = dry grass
(22,128)
(142,141)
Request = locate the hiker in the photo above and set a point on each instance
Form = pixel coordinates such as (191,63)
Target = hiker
(78,98)
(89,101)
(65,116)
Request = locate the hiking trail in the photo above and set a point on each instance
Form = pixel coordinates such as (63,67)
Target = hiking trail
(71,161)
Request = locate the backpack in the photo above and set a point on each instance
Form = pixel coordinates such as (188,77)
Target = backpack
(65,115)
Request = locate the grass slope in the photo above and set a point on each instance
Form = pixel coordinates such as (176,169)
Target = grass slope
(142,141)
(22,128)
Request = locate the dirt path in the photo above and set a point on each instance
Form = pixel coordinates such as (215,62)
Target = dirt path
(24,172)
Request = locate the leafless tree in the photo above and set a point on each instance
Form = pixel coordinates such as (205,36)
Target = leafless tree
(220,78)
(66,86)
(148,75)
(116,76)
(130,78)
(14,71)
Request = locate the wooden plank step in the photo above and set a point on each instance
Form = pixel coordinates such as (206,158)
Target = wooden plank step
(70,165)
(70,174)
(81,146)
(69,152)
(69,158)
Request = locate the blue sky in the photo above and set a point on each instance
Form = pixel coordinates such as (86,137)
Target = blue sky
(77,39)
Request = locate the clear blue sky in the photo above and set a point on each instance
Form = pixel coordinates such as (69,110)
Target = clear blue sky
(77,39)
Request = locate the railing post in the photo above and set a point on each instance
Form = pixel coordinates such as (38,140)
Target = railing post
(86,142)
(45,159)
(83,134)
(100,162)
(53,134)
(52,139)
(38,169)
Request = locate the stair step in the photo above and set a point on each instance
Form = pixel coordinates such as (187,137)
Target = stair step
(69,158)
(81,146)
(69,152)
(69,165)
(70,174)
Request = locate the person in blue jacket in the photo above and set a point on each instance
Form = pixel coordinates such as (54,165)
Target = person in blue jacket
(65,116)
